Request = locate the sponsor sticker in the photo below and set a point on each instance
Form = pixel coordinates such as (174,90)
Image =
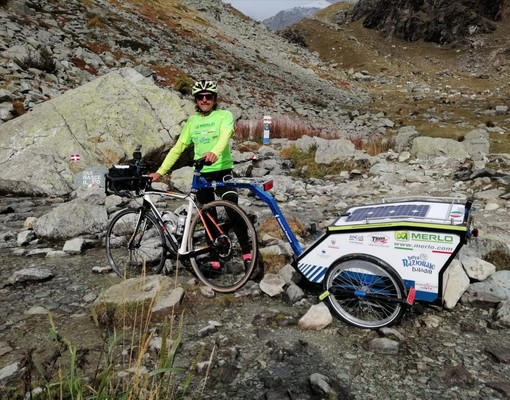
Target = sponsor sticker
(356,239)
(323,253)
(333,245)
(418,264)
(378,240)
(426,287)
(402,236)
(456,214)
(406,236)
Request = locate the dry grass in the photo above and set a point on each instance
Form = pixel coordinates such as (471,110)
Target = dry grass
(374,145)
(271,227)
(95,22)
(19,108)
(168,76)
(81,64)
(281,127)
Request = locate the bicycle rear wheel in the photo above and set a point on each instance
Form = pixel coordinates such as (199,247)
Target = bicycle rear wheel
(135,244)
(221,243)
(365,292)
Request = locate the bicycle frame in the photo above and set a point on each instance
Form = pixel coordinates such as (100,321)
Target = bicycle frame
(256,186)
(259,188)
(179,247)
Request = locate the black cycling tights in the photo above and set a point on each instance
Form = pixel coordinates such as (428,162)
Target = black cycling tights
(205,196)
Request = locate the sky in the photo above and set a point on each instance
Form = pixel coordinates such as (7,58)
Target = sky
(262,9)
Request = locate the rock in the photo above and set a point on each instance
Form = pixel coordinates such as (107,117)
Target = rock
(74,246)
(58,126)
(456,283)
(118,302)
(30,275)
(476,268)
(501,387)
(272,284)
(72,219)
(494,289)
(206,331)
(294,293)
(316,318)
(427,147)
(383,346)
(8,371)
(476,143)
(500,353)
(329,151)
(320,385)
(25,237)
(502,314)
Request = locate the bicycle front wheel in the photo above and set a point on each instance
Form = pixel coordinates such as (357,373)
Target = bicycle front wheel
(223,244)
(135,244)
(365,292)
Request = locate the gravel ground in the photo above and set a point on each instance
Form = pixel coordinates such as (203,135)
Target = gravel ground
(256,348)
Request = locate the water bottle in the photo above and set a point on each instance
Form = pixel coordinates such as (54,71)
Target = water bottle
(180,224)
(181,213)
(170,220)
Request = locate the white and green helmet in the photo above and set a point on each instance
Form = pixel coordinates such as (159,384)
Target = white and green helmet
(204,86)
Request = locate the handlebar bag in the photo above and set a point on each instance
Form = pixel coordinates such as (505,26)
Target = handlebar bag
(123,177)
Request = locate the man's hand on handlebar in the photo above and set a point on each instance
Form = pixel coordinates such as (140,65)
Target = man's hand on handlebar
(155,176)
(210,158)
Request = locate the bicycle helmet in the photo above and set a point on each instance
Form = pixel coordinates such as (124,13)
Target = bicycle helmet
(204,86)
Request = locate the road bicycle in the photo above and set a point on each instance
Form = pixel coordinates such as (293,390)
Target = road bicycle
(142,239)
(373,262)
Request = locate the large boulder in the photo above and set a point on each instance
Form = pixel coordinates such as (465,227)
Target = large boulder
(102,121)
(74,218)
(427,147)
(136,299)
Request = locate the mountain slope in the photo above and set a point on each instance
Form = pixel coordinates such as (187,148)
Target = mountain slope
(174,42)
(443,90)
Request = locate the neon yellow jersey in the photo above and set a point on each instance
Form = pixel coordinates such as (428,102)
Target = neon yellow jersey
(208,133)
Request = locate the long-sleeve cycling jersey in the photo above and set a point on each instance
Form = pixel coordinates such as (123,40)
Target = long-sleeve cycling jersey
(209,133)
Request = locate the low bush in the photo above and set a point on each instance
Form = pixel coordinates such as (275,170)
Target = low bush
(305,166)
(294,35)
(42,61)
(183,84)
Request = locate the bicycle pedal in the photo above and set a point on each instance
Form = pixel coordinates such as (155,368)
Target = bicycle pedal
(214,265)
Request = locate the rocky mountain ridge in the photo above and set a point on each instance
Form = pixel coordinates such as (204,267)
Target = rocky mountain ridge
(432,21)
(290,16)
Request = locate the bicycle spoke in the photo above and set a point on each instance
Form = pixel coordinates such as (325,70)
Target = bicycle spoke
(134,246)
(364,292)
(218,260)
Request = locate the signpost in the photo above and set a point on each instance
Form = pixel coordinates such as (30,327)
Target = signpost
(92,177)
(267,122)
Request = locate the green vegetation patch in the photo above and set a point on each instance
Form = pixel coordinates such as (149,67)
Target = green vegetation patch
(306,167)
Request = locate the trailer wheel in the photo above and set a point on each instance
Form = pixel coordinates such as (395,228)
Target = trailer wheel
(364,291)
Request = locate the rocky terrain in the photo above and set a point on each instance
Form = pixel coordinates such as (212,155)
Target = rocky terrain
(442,90)
(446,107)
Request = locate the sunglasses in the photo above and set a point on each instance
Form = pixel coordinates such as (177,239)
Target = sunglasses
(206,96)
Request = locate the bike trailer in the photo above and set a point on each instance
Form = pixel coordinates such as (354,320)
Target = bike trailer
(414,239)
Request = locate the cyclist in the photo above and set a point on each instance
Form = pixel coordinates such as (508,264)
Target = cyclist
(209,130)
